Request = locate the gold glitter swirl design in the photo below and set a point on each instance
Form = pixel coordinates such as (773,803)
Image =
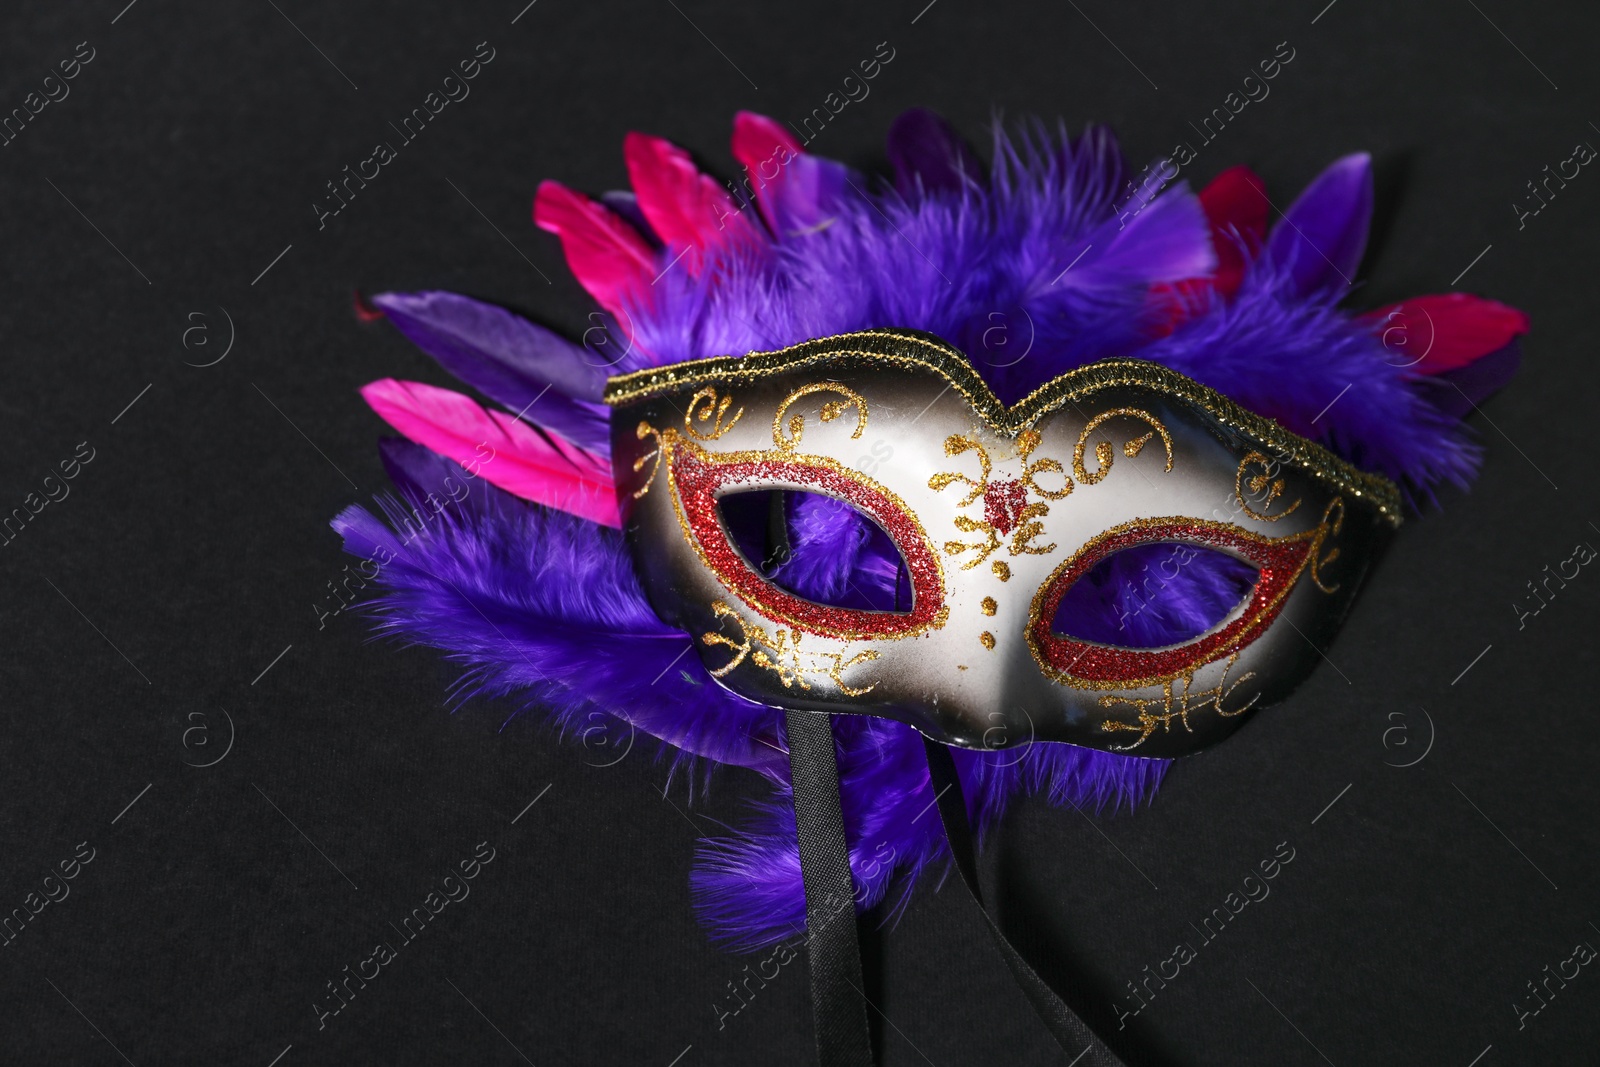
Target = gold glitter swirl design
(642,431)
(1102,451)
(1027,441)
(782,654)
(1259,484)
(913,351)
(831,409)
(711,416)
(955,445)
(1176,708)
(1027,525)
(982,548)
(1332,522)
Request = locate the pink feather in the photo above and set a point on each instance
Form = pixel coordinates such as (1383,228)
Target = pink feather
(757,139)
(684,207)
(607,255)
(760,145)
(501,449)
(1447,331)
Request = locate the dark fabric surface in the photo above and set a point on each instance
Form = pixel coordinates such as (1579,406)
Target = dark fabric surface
(177,598)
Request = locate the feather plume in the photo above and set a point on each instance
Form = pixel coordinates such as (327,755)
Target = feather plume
(520,458)
(607,256)
(544,378)
(687,209)
(928,157)
(1320,239)
(536,602)
(1445,332)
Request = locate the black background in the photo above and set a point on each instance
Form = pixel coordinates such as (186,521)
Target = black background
(193,548)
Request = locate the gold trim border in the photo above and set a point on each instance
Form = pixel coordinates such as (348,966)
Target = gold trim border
(914,350)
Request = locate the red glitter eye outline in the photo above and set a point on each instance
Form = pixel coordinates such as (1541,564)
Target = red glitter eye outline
(699,478)
(1088,665)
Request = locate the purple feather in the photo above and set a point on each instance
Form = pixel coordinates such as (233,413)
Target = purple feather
(1158,243)
(1320,239)
(626,204)
(746,887)
(1304,363)
(546,379)
(929,158)
(838,556)
(1457,392)
(534,601)
(806,195)
(1154,595)
(424,477)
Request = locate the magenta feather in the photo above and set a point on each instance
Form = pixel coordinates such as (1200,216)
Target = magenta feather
(685,208)
(521,459)
(1447,331)
(764,148)
(798,193)
(607,256)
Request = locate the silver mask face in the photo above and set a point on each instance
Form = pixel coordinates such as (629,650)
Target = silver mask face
(996,513)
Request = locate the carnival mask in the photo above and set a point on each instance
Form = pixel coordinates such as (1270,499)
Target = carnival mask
(995,514)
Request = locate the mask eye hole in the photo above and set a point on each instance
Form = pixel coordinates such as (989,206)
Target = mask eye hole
(1155,596)
(701,480)
(817,547)
(1119,663)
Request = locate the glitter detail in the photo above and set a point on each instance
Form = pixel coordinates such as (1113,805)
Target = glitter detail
(955,445)
(1177,710)
(710,417)
(1087,665)
(831,410)
(1263,482)
(1002,570)
(697,478)
(782,654)
(910,350)
(986,639)
(990,542)
(988,606)
(642,431)
(1003,503)
(1102,451)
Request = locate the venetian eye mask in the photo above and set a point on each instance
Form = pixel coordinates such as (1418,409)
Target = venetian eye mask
(996,514)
